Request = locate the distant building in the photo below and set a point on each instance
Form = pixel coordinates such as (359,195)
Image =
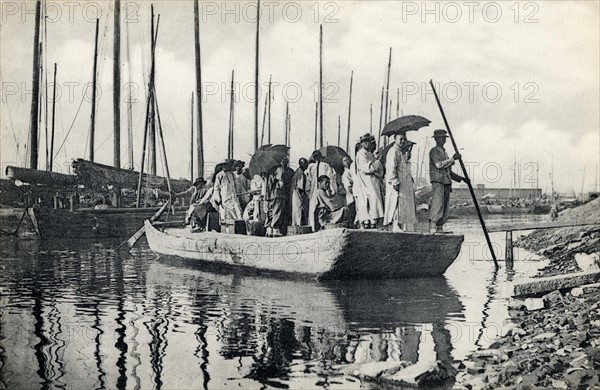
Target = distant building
(496,194)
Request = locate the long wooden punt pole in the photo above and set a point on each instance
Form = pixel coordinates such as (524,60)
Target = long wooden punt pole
(466,175)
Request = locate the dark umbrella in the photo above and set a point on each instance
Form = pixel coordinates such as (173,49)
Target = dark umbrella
(404,124)
(267,157)
(333,156)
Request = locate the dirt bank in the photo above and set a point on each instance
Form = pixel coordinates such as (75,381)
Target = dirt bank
(561,245)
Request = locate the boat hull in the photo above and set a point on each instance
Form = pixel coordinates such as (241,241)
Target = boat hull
(328,254)
(107,223)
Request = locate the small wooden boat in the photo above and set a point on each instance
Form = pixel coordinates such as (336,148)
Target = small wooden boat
(328,254)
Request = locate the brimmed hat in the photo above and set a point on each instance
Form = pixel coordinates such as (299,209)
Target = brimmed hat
(366,137)
(239,163)
(440,133)
(199,180)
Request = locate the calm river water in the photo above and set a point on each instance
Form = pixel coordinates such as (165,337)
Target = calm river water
(79,315)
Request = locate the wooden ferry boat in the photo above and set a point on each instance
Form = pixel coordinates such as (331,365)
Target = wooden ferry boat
(328,254)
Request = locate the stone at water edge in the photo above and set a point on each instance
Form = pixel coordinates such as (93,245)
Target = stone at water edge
(533,304)
(559,385)
(553,297)
(577,292)
(587,262)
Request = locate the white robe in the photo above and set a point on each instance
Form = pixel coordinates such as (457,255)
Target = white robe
(255,210)
(313,172)
(226,197)
(367,180)
(400,207)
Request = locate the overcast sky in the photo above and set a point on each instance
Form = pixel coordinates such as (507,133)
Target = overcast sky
(516,79)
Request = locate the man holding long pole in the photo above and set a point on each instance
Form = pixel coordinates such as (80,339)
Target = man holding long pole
(441,177)
(466,178)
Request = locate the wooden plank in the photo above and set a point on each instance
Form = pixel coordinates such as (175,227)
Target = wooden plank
(543,225)
(551,283)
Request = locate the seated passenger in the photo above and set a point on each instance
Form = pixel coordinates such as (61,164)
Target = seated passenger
(326,209)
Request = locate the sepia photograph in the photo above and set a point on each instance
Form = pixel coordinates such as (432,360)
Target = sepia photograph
(308,194)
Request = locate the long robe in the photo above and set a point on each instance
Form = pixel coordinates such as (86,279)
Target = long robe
(367,180)
(242,186)
(226,197)
(299,195)
(400,207)
(313,172)
(256,210)
(276,199)
(348,183)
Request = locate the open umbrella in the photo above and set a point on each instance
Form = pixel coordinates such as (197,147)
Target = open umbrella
(267,157)
(333,156)
(404,124)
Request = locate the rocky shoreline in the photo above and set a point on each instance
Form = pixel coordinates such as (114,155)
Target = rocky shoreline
(555,343)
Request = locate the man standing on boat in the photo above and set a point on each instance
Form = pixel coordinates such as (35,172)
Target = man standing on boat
(225,195)
(242,184)
(288,174)
(400,207)
(441,177)
(315,170)
(299,194)
(276,202)
(348,183)
(368,172)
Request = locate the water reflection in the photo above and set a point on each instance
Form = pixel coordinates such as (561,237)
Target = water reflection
(90,318)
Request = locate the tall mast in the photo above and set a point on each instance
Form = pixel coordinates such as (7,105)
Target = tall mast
(287,123)
(269,113)
(199,139)
(94,78)
(129,105)
(339,130)
(387,85)
(320,86)
(117,85)
(45,67)
(53,120)
(289,130)
(316,122)
(349,112)
(192,139)
(231,104)
(256,75)
(262,134)
(398,103)
(380,117)
(152,123)
(33,134)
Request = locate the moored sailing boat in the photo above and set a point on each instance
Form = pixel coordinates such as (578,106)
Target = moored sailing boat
(52,205)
